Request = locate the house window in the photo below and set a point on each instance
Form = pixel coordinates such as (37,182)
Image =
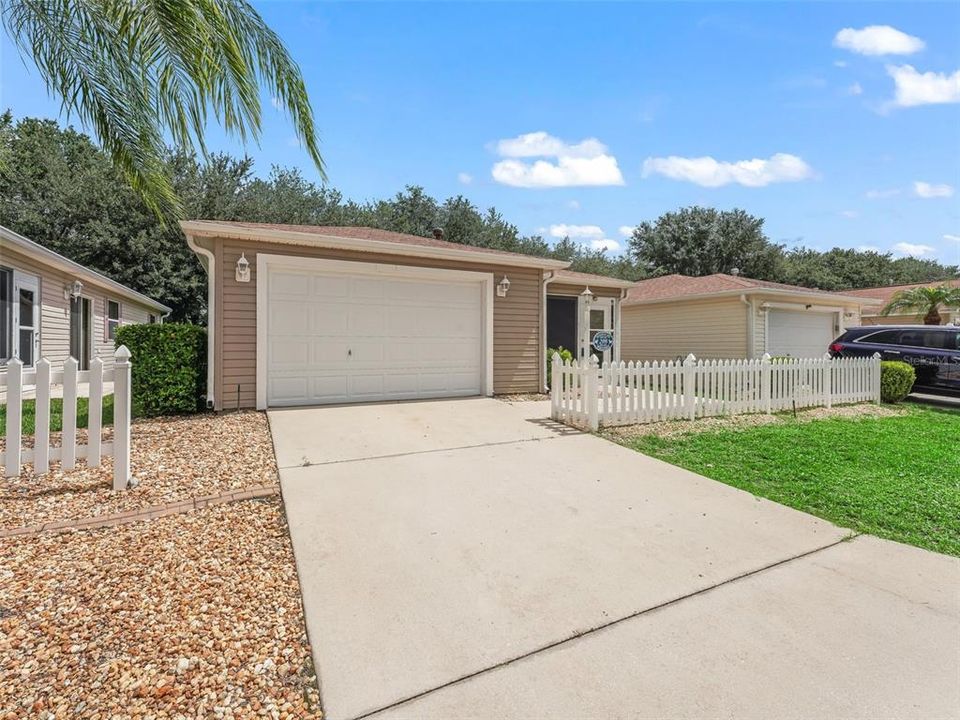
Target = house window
(6,314)
(113,318)
(153,319)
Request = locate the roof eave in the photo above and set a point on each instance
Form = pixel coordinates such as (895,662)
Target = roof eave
(57,260)
(291,237)
(834,297)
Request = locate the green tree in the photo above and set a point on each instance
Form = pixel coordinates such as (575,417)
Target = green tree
(925,301)
(136,72)
(702,241)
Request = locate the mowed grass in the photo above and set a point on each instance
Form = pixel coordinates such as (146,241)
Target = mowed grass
(56,414)
(894,477)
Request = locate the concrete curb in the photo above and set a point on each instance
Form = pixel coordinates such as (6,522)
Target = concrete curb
(148,513)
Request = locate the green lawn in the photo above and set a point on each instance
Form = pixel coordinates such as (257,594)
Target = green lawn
(56,414)
(895,477)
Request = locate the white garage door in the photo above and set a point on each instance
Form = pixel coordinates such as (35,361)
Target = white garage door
(799,334)
(334,337)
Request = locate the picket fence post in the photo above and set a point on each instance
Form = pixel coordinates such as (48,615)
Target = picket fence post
(68,442)
(689,396)
(591,396)
(121,418)
(14,416)
(556,381)
(766,391)
(95,412)
(41,444)
(827,388)
(877,374)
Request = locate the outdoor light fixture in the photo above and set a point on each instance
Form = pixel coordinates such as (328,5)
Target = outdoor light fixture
(73,290)
(587,294)
(503,286)
(243,269)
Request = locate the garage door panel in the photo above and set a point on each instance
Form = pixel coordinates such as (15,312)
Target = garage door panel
(799,334)
(335,338)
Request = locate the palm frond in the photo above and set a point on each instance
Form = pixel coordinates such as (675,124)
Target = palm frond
(137,72)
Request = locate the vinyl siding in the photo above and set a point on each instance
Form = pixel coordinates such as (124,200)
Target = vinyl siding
(516,318)
(55,310)
(666,331)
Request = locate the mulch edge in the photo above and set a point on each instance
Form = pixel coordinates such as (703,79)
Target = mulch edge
(147,513)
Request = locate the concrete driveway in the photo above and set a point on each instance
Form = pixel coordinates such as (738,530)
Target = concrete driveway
(469,559)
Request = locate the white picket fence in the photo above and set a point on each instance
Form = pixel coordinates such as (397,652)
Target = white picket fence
(42,454)
(589,395)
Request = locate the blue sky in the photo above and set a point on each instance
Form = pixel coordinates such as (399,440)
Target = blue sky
(837,123)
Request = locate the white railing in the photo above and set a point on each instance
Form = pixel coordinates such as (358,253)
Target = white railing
(586,394)
(16,380)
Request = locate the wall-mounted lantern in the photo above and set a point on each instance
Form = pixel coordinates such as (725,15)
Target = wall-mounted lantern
(72,290)
(587,295)
(243,269)
(503,286)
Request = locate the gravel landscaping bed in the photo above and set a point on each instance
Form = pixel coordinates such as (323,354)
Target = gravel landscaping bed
(673,428)
(192,615)
(173,459)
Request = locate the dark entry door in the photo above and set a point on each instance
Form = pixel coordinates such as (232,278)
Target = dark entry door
(562,323)
(80,331)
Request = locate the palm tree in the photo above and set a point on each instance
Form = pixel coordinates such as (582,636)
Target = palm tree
(141,72)
(926,300)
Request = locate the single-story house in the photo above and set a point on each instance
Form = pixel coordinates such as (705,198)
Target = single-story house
(54,308)
(728,316)
(883,295)
(308,315)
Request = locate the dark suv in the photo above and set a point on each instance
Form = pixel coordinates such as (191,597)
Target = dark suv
(933,350)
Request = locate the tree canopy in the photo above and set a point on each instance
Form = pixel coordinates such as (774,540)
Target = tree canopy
(61,190)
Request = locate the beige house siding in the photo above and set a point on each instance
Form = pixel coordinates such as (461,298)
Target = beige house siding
(665,331)
(516,318)
(55,309)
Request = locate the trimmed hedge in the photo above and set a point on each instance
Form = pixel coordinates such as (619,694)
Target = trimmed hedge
(564,356)
(169,367)
(896,380)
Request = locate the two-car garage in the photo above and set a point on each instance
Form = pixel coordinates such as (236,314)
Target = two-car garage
(331,331)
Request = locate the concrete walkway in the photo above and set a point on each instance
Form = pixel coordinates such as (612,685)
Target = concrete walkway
(469,559)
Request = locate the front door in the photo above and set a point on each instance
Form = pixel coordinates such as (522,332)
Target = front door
(26,318)
(597,336)
(81,331)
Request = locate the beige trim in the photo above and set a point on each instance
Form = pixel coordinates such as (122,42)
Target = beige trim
(205,228)
(835,297)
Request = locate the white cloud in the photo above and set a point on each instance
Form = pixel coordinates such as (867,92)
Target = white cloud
(840,63)
(708,172)
(627,230)
(574,204)
(952,238)
(275,101)
(868,248)
(878,40)
(855,89)
(850,214)
(930,88)
(931,190)
(605,244)
(905,248)
(878,194)
(585,163)
(575,231)
(464,178)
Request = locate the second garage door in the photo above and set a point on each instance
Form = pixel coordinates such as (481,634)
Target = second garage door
(334,337)
(799,334)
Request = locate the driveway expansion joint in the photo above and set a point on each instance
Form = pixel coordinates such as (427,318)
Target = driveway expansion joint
(417,452)
(604,626)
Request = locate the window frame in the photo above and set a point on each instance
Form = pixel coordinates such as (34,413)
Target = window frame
(6,319)
(111,323)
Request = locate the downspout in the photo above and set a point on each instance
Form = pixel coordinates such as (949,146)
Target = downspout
(210,267)
(547,277)
(618,324)
(751,327)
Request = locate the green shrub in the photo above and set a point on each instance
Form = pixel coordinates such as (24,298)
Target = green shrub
(564,356)
(896,380)
(169,367)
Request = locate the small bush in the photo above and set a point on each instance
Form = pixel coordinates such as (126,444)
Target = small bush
(169,367)
(564,354)
(896,380)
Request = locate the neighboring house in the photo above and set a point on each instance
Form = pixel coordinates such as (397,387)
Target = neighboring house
(305,315)
(727,316)
(55,308)
(882,295)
